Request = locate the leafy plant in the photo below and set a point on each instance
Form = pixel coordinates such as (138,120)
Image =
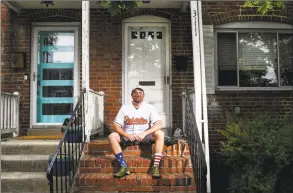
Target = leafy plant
(117,7)
(264,6)
(257,151)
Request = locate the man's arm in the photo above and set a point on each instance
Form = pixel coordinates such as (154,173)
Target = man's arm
(156,126)
(117,128)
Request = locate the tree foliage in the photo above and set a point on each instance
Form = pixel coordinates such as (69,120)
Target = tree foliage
(118,7)
(264,6)
(259,152)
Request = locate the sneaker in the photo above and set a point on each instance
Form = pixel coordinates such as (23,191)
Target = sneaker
(156,172)
(122,172)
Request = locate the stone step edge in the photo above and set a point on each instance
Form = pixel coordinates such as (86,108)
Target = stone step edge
(92,189)
(135,170)
(24,157)
(106,146)
(102,179)
(23,175)
(110,159)
(137,147)
(103,162)
(133,153)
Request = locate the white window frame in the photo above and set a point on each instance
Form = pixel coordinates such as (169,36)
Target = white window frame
(248,27)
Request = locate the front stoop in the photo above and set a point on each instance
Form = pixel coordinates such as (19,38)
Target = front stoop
(98,165)
(24,164)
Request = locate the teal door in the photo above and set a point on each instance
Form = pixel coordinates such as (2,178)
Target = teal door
(55,77)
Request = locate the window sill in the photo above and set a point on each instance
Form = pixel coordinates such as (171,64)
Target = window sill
(230,88)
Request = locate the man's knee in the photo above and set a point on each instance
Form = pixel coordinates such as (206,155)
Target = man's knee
(159,134)
(114,137)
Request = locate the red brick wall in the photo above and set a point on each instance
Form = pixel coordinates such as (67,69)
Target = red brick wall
(106,60)
(105,55)
(274,103)
(13,80)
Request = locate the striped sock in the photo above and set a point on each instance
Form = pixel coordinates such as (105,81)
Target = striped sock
(120,158)
(158,157)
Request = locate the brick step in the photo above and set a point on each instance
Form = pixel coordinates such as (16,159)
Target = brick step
(144,189)
(132,182)
(102,148)
(89,164)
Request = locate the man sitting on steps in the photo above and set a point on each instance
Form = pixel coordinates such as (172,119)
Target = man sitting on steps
(137,123)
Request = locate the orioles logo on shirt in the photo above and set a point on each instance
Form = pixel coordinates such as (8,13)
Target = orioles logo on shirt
(135,121)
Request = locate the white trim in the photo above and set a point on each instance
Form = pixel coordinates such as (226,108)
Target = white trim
(12,5)
(274,28)
(233,88)
(33,91)
(57,24)
(228,30)
(196,65)
(204,98)
(85,33)
(254,25)
(145,21)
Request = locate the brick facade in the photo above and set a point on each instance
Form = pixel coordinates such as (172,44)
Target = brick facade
(106,60)
(105,54)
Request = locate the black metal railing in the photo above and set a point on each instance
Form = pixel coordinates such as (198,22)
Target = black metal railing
(64,163)
(195,145)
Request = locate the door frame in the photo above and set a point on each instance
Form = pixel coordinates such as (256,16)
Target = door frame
(51,26)
(148,21)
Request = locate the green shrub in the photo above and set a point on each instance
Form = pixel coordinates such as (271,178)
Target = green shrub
(257,152)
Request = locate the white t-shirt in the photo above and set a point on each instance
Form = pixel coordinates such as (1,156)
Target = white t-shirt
(135,121)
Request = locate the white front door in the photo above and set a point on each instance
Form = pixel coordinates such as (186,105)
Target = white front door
(147,65)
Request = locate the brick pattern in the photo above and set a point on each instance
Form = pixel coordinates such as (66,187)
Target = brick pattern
(220,12)
(146,189)
(99,148)
(89,164)
(221,103)
(106,59)
(105,55)
(96,172)
(274,104)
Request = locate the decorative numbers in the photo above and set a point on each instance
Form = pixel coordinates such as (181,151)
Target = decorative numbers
(150,34)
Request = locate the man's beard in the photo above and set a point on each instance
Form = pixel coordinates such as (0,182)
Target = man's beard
(137,99)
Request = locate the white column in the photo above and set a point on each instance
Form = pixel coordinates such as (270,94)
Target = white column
(85,56)
(200,79)
(204,99)
(0,86)
(196,65)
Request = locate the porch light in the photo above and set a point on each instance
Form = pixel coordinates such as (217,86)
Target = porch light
(48,3)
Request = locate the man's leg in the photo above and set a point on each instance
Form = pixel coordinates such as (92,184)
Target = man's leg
(159,145)
(114,140)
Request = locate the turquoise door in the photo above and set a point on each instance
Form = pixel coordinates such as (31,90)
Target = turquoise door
(55,78)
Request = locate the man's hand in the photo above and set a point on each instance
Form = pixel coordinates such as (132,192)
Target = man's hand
(141,136)
(132,137)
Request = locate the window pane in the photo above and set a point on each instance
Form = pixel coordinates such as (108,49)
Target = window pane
(58,57)
(257,60)
(58,74)
(57,109)
(59,39)
(57,91)
(286,59)
(227,59)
